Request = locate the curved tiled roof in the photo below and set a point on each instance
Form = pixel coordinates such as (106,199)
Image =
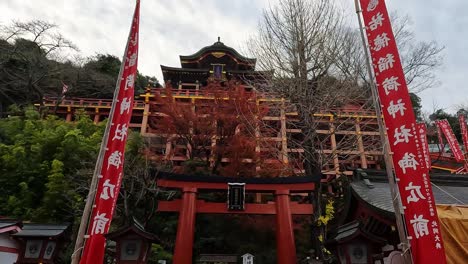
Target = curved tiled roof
(42,230)
(376,193)
(217,46)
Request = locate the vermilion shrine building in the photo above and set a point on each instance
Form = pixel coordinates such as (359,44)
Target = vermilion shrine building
(219,62)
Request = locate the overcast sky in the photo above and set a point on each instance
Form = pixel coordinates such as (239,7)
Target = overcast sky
(170,28)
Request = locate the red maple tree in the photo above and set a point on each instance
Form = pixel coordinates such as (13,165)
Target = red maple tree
(219,130)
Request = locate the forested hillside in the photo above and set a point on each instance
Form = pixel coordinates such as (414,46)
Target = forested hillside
(37,61)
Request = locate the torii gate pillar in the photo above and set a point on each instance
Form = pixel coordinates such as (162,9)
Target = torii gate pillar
(285,245)
(186,227)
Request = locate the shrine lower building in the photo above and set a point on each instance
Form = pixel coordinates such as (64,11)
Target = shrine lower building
(188,87)
(367,231)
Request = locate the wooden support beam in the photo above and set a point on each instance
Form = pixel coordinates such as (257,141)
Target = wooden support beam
(361,150)
(336,162)
(144,120)
(284,139)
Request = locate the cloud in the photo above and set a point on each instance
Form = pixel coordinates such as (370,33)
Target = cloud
(446,23)
(171,28)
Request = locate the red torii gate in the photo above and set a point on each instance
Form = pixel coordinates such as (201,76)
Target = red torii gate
(189,206)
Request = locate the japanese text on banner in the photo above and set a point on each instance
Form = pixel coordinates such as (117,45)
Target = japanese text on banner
(409,163)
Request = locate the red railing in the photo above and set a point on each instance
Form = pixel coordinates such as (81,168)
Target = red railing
(85,102)
(91,102)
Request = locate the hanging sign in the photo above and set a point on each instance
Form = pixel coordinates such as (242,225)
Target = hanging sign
(236,196)
(422,134)
(412,176)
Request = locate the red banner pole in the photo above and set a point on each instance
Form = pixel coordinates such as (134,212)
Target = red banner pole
(107,177)
(396,199)
(410,170)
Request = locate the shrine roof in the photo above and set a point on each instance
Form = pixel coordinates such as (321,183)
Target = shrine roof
(6,225)
(171,71)
(374,191)
(217,47)
(9,222)
(133,228)
(351,230)
(379,196)
(42,230)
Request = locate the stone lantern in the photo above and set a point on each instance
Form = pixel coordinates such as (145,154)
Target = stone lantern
(133,244)
(355,245)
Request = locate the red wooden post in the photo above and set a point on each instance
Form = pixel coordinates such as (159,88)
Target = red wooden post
(186,227)
(285,245)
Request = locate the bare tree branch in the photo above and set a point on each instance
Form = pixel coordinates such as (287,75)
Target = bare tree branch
(31,59)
